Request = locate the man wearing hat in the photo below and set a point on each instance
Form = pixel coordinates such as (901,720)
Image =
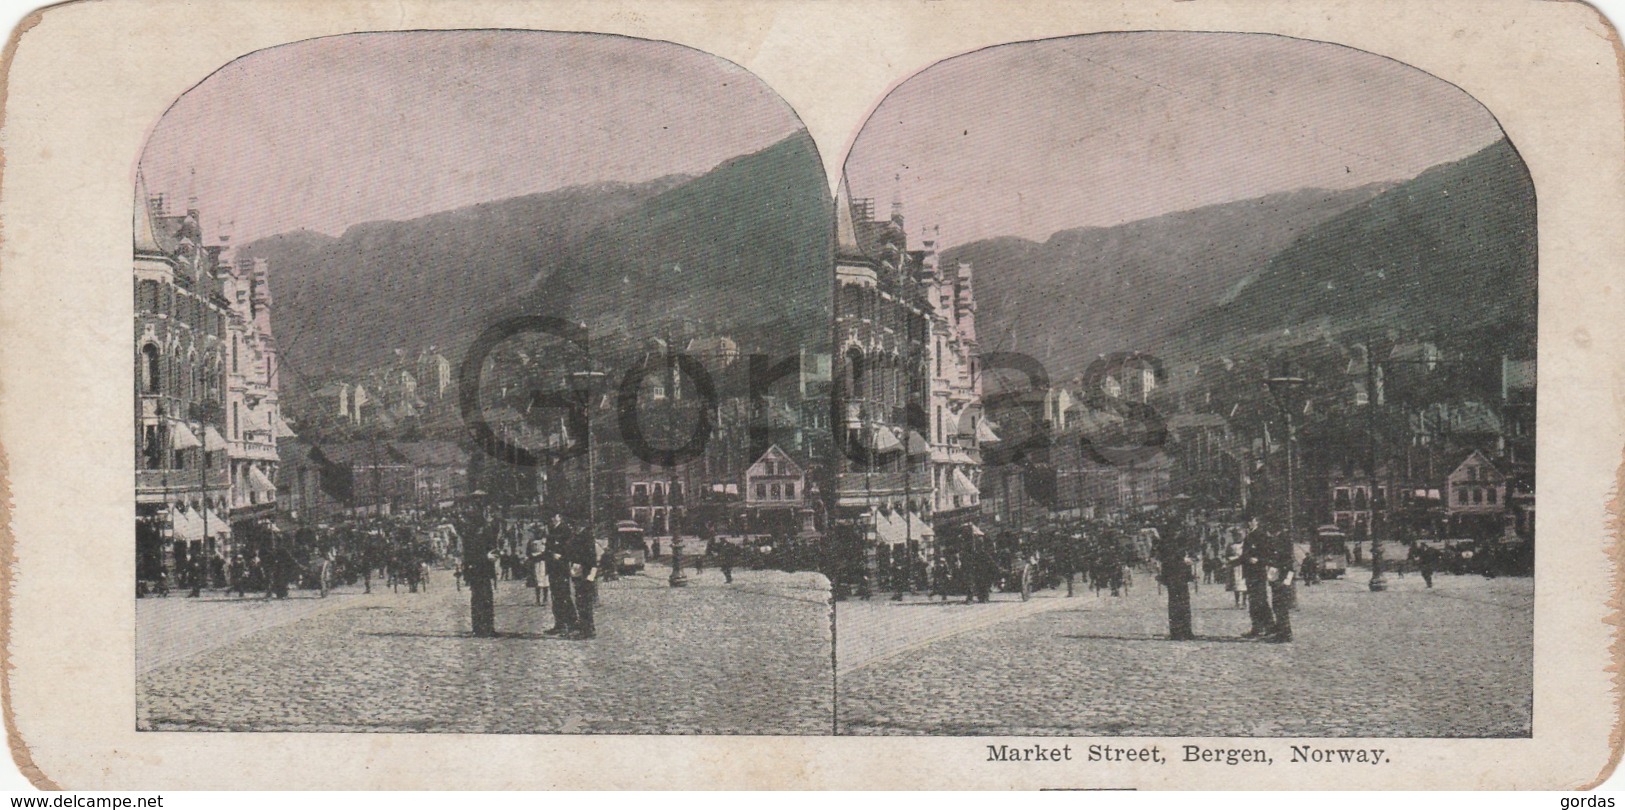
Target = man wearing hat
(1176,577)
(1256,558)
(556,564)
(1280,582)
(582,557)
(477,534)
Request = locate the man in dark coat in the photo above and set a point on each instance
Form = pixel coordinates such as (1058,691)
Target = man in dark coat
(1255,563)
(557,567)
(1281,595)
(477,532)
(726,554)
(1176,577)
(1427,561)
(284,566)
(986,569)
(582,556)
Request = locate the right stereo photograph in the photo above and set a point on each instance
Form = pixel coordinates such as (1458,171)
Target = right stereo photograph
(1184,385)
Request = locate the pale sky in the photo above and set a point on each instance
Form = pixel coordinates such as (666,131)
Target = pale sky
(1032,138)
(332,132)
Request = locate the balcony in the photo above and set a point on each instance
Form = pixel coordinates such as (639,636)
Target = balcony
(209,410)
(883,482)
(179,481)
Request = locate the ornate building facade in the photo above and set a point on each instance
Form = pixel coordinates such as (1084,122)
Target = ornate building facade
(206,414)
(908,395)
(254,420)
(182,480)
(957,424)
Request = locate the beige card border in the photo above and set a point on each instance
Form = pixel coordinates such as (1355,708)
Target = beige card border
(86,80)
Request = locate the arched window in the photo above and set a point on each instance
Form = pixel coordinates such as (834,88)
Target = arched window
(152,369)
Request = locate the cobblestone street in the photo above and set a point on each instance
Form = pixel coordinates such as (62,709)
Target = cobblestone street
(1455,661)
(753,657)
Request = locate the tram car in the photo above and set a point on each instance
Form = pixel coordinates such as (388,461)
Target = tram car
(1330,548)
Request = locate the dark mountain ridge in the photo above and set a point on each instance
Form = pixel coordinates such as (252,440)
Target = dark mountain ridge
(1093,290)
(1449,255)
(345,303)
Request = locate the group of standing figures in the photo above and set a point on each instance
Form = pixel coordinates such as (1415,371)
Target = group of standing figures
(1178,554)
(562,564)
(1263,574)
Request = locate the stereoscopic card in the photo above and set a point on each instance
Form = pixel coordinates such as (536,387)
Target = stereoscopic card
(744,395)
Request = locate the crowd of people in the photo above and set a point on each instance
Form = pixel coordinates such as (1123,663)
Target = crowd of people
(1178,553)
(270,561)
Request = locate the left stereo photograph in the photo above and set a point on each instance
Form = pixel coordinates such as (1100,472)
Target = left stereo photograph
(481,384)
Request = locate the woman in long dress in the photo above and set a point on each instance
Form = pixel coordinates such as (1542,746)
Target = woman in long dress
(1237,584)
(535,560)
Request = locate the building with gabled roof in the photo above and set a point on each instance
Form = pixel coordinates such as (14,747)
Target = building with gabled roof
(183,483)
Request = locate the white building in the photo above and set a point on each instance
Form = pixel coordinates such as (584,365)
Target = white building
(957,425)
(253,413)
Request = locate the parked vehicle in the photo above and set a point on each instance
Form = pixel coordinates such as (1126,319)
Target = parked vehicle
(630,556)
(1331,551)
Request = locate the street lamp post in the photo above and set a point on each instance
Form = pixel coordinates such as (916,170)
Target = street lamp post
(1282,387)
(678,579)
(1379,582)
(586,384)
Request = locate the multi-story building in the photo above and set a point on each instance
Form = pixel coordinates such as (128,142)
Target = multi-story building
(884,494)
(433,374)
(656,496)
(775,481)
(207,416)
(957,426)
(254,420)
(182,483)
(332,480)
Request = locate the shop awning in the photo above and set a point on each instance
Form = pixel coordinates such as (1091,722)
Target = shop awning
(984,432)
(257,482)
(185,525)
(217,524)
(960,484)
(212,440)
(917,443)
(281,427)
(181,437)
(917,527)
(885,440)
(889,530)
